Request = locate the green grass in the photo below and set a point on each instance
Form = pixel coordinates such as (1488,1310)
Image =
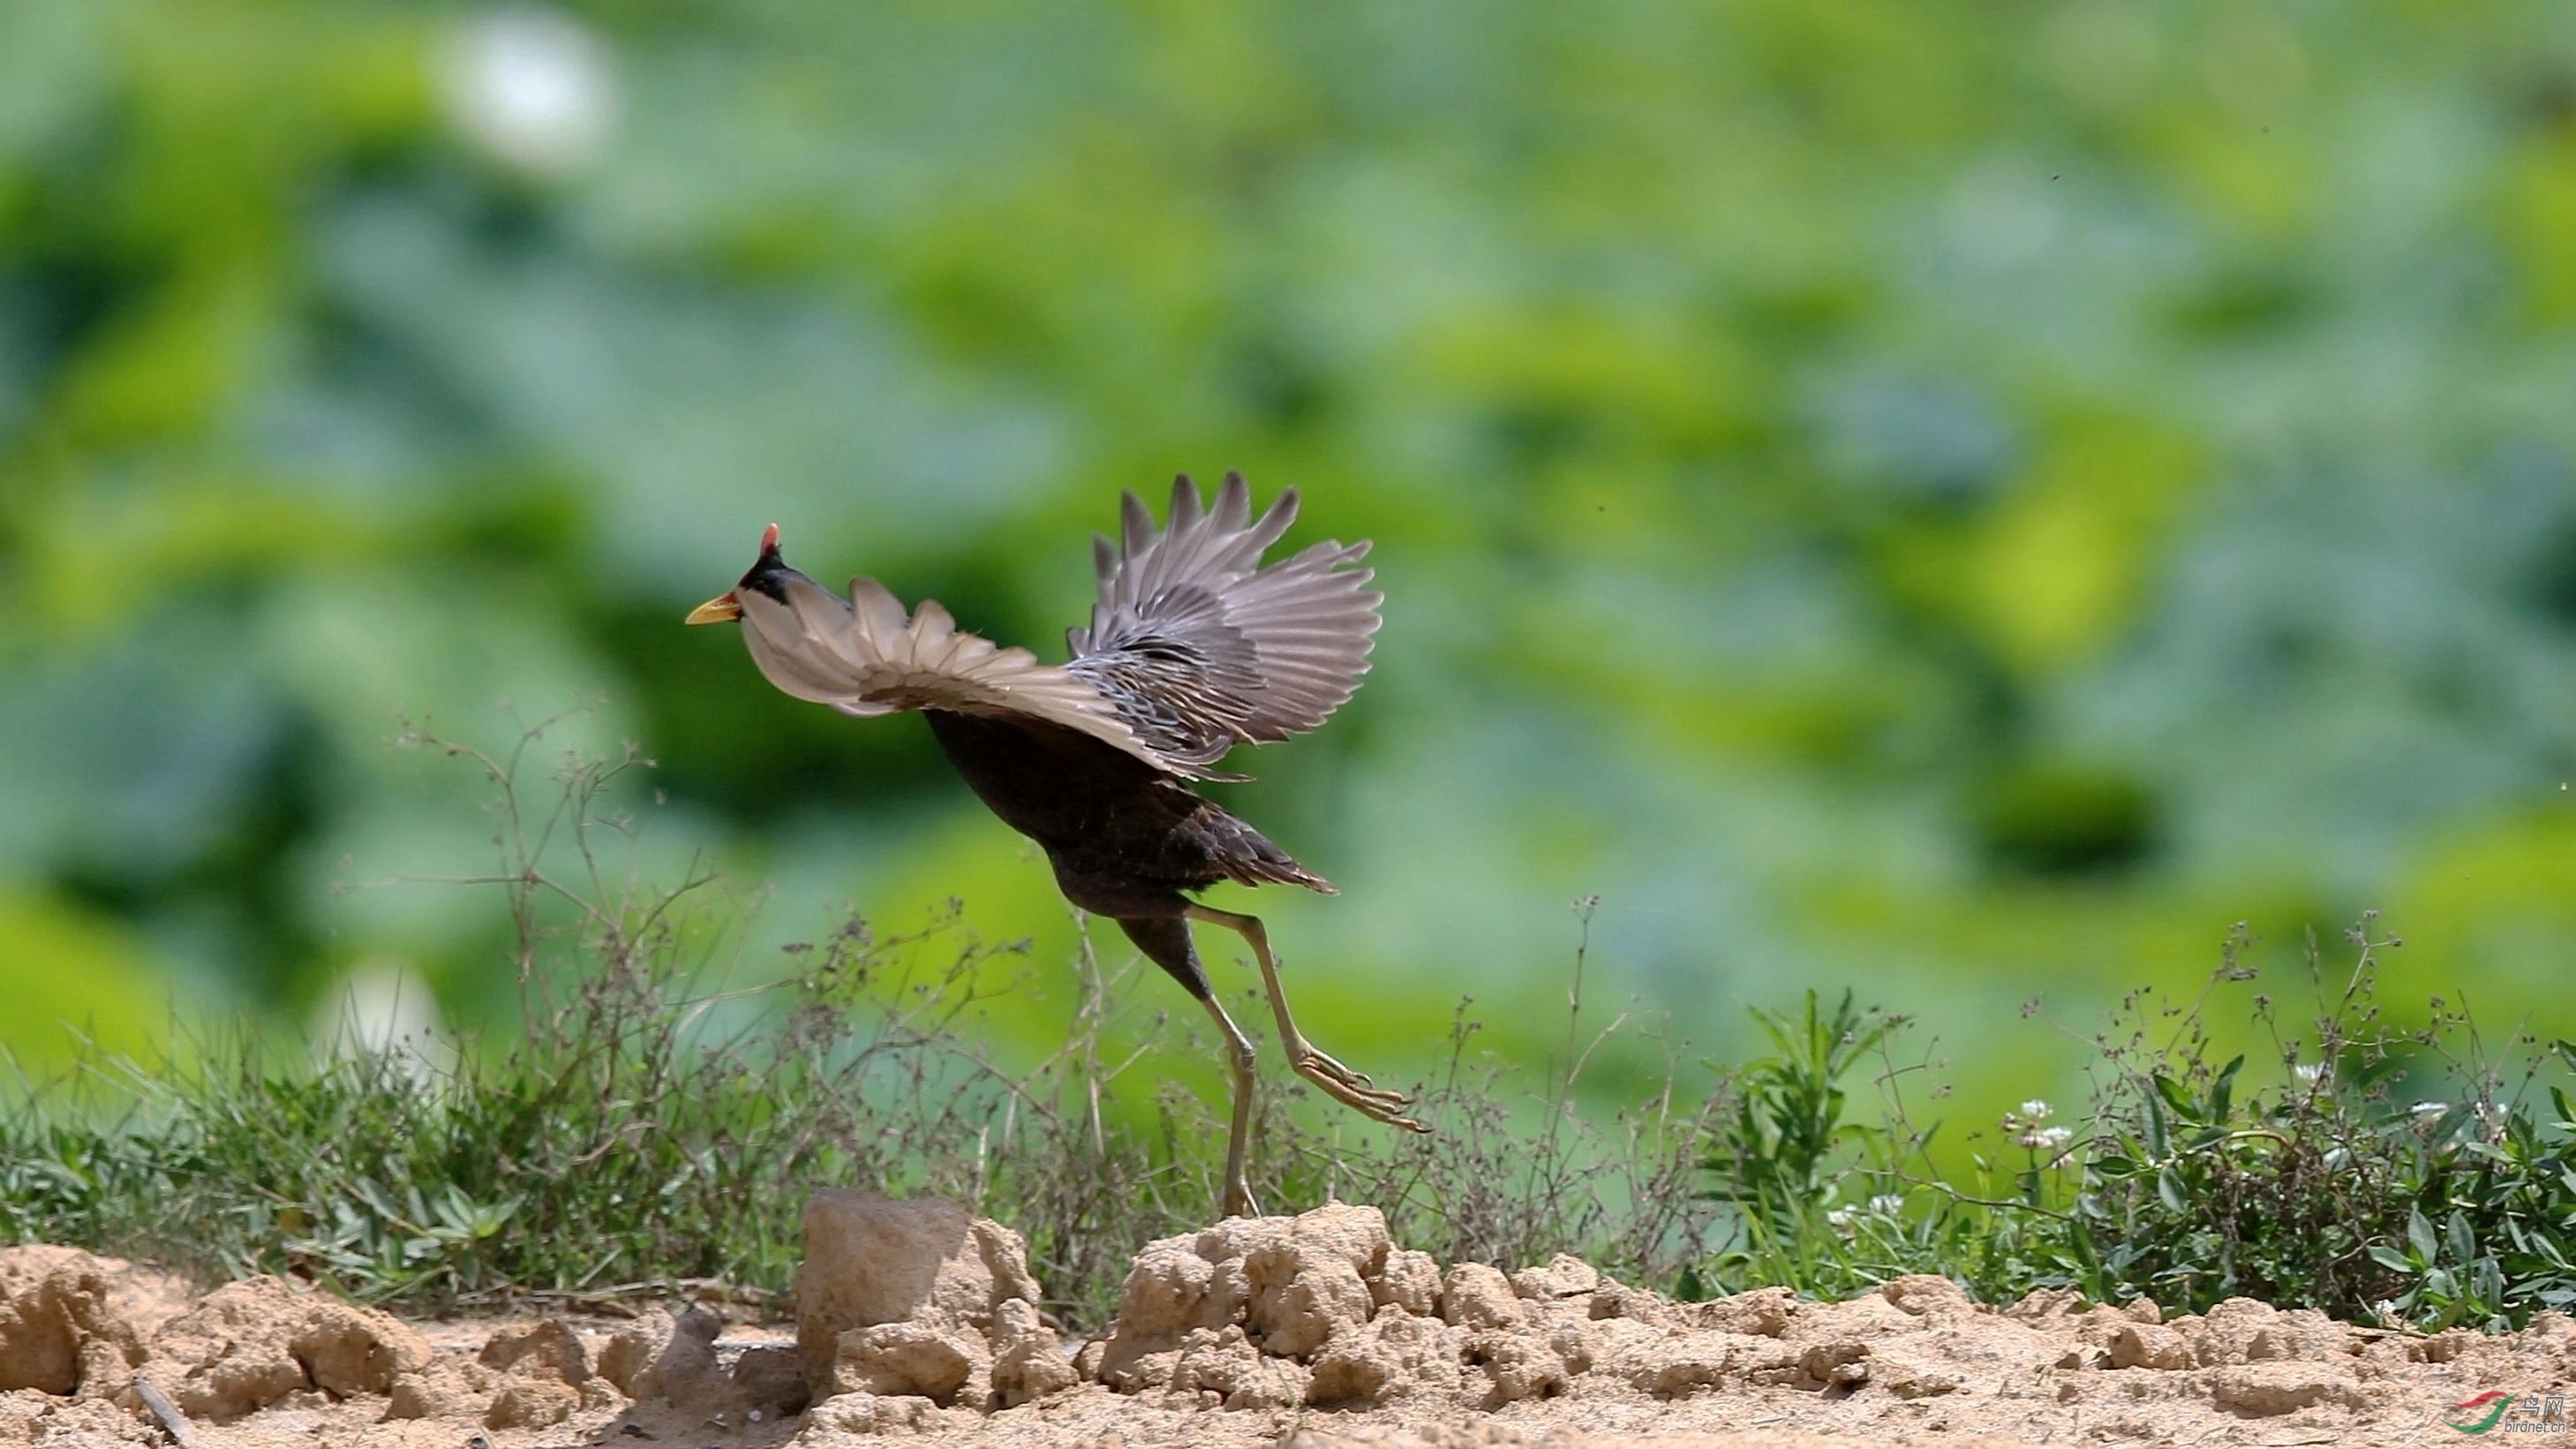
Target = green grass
(653,1128)
(656,1126)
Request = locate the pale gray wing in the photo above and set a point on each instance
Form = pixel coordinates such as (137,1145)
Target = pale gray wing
(866,656)
(1201,648)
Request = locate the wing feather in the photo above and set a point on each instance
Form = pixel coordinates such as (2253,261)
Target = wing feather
(1200,647)
(866,656)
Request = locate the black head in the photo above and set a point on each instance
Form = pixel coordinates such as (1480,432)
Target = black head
(767,576)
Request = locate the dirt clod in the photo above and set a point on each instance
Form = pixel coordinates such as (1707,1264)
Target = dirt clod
(1476,1295)
(1029,1361)
(1315,1330)
(906,1358)
(547,1348)
(254,1343)
(448,1388)
(59,1331)
(871,1259)
(532,1403)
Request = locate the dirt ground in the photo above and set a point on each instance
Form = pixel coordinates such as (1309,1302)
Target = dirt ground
(919,1326)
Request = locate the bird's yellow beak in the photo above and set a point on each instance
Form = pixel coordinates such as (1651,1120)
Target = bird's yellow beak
(722,609)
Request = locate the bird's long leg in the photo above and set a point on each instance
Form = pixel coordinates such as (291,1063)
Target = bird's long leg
(1237,1202)
(1351,1089)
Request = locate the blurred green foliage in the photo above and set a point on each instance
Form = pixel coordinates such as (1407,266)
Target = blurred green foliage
(1962,500)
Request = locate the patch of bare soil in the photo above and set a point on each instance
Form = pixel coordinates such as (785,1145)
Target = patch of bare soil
(919,1323)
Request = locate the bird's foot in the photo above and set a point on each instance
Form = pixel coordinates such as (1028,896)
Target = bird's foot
(1238,1201)
(1353,1089)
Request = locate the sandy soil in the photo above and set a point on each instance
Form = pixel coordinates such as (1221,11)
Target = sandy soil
(919,1326)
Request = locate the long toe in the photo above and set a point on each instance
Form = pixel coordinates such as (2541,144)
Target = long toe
(1324,1061)
(1374,1104)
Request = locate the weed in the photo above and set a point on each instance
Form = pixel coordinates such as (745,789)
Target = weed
(2332,1188)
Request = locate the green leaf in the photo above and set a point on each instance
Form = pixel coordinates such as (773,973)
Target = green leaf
(2419,1235)
(2176,1098)
(2169,1191)
(2391,1259)
(2222,1092)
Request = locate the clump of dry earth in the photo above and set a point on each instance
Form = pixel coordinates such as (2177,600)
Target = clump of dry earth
(918,1322)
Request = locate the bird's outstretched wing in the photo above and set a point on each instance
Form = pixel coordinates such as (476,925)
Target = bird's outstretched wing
(866,656)
(1200,648)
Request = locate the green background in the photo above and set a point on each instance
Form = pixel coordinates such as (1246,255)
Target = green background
(1965,500)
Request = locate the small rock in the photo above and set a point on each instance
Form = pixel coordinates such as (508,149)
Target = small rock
(1564,1276)
(1410,1280)
(1833,1365)
(1614,1299)
(1301,1297)
(444,1388)
(1223,1365)
(1762,1313)
(634,1347)
(1028,1361)
(1397,1355)
(1516,1366)
(547,1348)
(2148,1346)
(531,1403)
(2042,1304)
(682,1366)
(772,1381)
(871,1260)
(1928,1295)
(1477,1296)
(59,1332)
(250,1344)
(894,1359)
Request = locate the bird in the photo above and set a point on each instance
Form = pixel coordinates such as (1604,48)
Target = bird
(1194,646)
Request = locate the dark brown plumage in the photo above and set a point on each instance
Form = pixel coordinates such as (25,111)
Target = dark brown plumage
(1194,647)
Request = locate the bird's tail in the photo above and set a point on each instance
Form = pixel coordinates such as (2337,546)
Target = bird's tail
(1252,858)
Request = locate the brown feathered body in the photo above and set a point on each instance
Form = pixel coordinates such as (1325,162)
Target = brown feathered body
(1126,840)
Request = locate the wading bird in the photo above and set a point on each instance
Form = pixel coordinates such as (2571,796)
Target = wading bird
(1193,648)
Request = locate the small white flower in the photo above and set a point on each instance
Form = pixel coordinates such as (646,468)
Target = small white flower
(2049,1138)
(2037,1110)
(534,87)
(2312,1073)
(1887,1204)
(2429,1109)
(1840,1220)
